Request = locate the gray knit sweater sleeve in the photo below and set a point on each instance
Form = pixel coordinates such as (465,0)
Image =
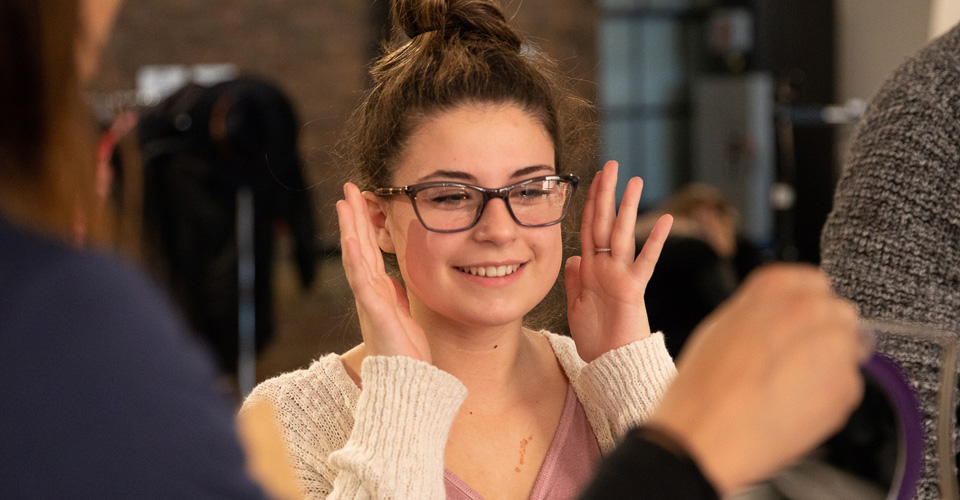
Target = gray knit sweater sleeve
(892,242)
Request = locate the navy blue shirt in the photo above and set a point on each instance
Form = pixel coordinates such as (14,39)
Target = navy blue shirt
(103,394)
(648,465)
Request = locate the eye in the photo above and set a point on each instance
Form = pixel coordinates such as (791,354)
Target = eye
(447,198)
(535,191)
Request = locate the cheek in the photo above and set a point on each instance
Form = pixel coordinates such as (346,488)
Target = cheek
(416,251)
(551,250)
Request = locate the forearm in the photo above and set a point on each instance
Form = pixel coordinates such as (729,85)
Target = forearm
(403,418)
(628,383)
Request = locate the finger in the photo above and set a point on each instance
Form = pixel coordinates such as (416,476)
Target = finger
(586,222)
(357,276)
(375,310)
(624,238)
(605,206)
(372,234)
(345,218)
(650,254)
(571,278)
(348,213)
(361,215)
(350,246)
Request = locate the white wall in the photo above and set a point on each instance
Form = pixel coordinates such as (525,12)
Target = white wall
(944,14)
(873,38)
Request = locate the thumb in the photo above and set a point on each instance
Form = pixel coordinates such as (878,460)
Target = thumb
(571,278)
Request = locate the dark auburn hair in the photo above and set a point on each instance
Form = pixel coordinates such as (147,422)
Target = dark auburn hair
(446,53)
(46,136)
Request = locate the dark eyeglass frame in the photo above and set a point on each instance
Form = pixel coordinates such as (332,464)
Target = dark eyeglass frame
(503,193)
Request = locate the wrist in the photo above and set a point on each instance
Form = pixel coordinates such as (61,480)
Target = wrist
(651,464)
(684,442)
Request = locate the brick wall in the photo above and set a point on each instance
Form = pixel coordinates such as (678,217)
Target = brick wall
(316,51)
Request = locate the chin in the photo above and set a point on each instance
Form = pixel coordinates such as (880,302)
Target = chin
(493,315)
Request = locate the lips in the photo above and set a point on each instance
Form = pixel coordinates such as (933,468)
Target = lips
(491,271)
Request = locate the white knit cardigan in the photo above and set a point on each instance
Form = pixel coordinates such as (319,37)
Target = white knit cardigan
(387,441)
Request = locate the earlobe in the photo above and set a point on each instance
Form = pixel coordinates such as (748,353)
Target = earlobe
(378,214)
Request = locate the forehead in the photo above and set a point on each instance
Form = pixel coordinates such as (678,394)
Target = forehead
(484,142)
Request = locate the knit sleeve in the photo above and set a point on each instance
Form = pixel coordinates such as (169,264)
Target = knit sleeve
(628,383)
(892,240)
(403,418)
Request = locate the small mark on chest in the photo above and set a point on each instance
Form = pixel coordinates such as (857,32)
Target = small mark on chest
(523,449)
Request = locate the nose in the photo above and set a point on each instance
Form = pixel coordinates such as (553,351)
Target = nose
(496,224)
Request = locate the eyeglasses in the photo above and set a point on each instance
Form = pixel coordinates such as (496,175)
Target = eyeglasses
(448,207)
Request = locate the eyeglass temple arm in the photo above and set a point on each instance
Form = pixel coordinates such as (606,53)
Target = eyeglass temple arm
(393,191)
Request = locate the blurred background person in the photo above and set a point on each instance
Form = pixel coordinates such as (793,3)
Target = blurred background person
(705,258)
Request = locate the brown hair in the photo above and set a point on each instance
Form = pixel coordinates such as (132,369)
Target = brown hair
(444,53)
(46,157)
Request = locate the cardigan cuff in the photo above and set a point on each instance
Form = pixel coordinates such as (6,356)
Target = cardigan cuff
(403,418)
(628,382)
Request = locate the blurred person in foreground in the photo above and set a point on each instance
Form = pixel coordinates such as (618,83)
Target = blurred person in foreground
(105,396)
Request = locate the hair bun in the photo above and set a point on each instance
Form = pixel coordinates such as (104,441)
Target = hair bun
(454,18)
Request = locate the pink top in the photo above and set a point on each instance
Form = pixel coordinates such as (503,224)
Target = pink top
(568,466)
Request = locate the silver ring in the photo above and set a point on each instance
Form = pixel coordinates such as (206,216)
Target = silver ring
(598,250)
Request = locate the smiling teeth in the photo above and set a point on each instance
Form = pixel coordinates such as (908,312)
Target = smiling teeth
(491,271)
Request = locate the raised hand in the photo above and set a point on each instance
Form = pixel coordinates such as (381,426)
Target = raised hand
(382,304)
(605,285)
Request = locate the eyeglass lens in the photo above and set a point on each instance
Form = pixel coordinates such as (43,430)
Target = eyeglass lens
(454,207)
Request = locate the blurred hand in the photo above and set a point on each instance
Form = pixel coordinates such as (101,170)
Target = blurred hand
(766,378)
(267,459)
(605,288)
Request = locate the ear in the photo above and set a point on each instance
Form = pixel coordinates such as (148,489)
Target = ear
(378,214)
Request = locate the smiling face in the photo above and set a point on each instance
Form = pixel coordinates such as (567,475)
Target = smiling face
(497,271)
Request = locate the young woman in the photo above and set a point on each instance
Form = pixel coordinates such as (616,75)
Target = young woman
(464,145)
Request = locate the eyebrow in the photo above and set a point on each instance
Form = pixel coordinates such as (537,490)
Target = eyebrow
(459,175)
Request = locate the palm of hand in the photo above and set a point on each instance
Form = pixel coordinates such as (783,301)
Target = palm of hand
(605,289)
(382,304)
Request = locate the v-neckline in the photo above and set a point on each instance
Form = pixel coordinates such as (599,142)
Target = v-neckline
(546,468)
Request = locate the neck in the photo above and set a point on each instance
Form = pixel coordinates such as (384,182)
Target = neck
(483,357)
